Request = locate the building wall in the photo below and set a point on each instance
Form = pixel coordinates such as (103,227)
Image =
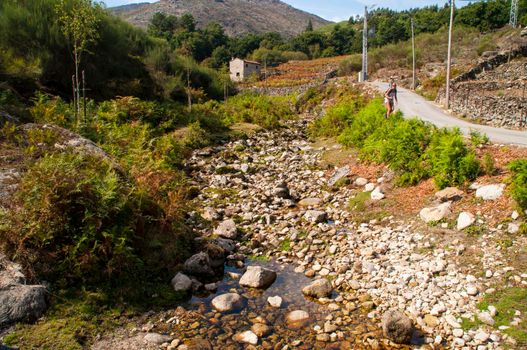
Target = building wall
(240,70)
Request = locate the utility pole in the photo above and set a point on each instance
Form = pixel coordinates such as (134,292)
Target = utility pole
(514,14)
(449,58)
(365,46)
(413,55)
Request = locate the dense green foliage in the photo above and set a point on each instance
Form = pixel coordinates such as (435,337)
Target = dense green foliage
(519,182)
(120,61)
(412,148)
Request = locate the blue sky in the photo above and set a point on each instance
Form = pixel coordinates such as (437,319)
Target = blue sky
(333,10)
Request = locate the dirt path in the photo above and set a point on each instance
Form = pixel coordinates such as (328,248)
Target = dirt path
(414,105)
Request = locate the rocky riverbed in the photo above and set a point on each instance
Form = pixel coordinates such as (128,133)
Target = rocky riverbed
(266,201)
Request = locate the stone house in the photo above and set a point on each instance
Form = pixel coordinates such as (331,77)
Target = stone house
(242,69)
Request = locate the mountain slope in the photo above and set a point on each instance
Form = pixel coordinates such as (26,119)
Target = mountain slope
(236,16)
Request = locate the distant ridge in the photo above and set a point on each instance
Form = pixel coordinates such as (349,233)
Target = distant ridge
(236,16)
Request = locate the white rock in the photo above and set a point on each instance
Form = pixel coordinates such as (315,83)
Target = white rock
(481,336)
(360,182)
(369,187)
(458,333)
(257,277)
(275,301)
(377,194)
(486,318)
(227,229)
(513,228)
(156,338)
(472,290)
(315,216)
(515,215)
(227,302)
(247,337)
(181,283)
(436,213)
(490,192)
(297,316)
(464,220)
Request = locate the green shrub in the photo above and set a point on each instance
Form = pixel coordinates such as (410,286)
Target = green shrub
(351,65)
(403,148)
(451,162)
(263,110)
(78,217)
(477,138)
(488,166)
(335,120)
(367,121)
(519,182)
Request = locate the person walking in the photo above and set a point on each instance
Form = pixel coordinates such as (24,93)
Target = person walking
(390,98)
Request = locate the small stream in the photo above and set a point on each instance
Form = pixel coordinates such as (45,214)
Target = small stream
(219,328)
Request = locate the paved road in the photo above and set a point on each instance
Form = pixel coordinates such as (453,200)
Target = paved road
(413,105)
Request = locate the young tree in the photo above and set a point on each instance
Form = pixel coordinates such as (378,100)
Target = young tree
(79,23)
(309,27)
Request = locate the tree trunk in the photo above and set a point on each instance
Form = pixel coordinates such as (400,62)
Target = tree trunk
(78,107)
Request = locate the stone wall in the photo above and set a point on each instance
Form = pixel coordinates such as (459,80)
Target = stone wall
(490,103)
(493,92)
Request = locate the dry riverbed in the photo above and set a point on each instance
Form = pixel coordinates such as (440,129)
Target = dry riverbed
(271,200)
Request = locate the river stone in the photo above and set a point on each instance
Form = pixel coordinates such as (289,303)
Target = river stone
(486,318)
(436,213)
(449,194)
(320,288)
(228,302)
(260,329)
(310,202)
(257,277)
(315,216)
(464,220)
(156,338)
(227,229)
(490,192)
(181,283)
(397,327)
(369,187)
(227,244)
(297,316)
(247,337)
(199,264)
(377,194)
(275,301)
(338,175)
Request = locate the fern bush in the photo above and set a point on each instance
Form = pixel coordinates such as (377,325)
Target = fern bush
(451,161)
(77,219)
(412,148)
(519,182)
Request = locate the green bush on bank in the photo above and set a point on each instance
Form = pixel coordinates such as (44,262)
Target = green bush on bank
(412,148)
(519,182)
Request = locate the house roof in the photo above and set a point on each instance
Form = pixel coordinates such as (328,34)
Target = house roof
(248,61)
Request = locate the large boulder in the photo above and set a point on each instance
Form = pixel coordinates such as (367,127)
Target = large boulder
(19,302)
(320,288)
(199,265)
(228,302)
(227,229)
(436,213)
(181,283)
(257,277)
(397,327)
(22,303)
(490,192)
